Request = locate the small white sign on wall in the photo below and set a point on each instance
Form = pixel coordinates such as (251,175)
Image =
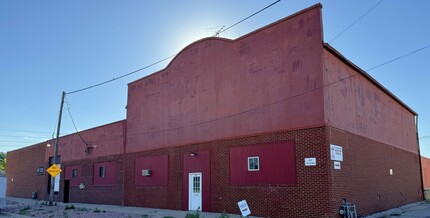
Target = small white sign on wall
(244,209)
(336,152)
(336,165)
(311,161)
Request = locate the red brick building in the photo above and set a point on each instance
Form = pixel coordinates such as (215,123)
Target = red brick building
(275,117)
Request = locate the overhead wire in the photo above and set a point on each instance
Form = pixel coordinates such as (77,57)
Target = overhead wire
(17,130)
(353,23)
(250,110)
(73,121)
(167,58)
(22,136)
(400,57)
(136,71)
(246,18)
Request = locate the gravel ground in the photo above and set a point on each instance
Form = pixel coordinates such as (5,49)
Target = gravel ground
(42,210)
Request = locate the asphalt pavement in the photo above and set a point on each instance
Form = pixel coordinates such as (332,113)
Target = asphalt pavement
(414,210)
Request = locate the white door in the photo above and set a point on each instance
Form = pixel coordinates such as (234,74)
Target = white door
(195,191)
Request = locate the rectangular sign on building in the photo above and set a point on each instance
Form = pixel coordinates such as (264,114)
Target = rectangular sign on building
(312,161)
(336,152)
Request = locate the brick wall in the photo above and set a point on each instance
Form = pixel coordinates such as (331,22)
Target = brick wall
(364,178)
(109,194)
(22,178)
(312,186)
(426,172)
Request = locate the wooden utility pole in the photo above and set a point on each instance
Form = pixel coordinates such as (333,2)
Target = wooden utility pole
(54,159)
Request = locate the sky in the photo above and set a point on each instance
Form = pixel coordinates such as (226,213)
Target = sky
(47,47)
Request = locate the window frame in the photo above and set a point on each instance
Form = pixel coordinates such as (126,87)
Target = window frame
(102,171)
(253,158)
(74,174)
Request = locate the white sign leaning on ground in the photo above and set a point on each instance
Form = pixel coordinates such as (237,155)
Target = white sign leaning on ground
(336,152)
(244,209)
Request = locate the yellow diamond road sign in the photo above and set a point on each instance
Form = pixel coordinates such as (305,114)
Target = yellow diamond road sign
(54,170)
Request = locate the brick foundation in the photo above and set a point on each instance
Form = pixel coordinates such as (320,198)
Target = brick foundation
(364,178)
(264,200)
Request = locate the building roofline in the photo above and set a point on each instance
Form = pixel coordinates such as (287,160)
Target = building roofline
(367,76)
(318,5)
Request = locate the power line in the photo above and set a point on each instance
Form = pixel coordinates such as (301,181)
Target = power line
(395,59)
(353,23)
(73,122)
(116,78)
(29,131)
(15,141)
(22,136)
(424,137)
(164,59)
(250,110)
(246,18)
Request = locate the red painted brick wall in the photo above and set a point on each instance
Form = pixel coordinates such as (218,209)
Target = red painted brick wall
(94,193)
(159,170)
(109,178)
(194,164)
(277,164)
(68,174)
(364,178)
(22,178)
(426,172)
(218,88)
(105,140)
(264,200)
(353,103)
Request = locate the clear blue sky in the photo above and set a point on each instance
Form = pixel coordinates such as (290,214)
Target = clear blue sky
(47,47)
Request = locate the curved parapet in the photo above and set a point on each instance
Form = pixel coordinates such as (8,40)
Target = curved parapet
(219,88)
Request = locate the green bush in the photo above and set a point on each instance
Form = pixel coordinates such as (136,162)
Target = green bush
(69,207)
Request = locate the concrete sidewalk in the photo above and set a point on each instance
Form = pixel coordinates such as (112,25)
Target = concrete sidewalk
(150,212)
(414,210)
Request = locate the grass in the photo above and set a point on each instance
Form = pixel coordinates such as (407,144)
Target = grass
(97,210)
(24,211)
(224,215)
(69,207)
(82,209)
(193,215)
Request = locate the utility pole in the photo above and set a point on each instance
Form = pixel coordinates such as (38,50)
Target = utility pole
(51,193)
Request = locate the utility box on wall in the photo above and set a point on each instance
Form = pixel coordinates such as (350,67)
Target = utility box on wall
(146,172)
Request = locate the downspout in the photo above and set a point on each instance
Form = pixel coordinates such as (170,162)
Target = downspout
(419,157)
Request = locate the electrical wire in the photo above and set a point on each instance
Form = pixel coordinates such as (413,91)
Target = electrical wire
(395,59)
(250,110)
(15,130)
(120,77)
(73,122)
(353,23)
(246,18)
(164,59)
(22,136)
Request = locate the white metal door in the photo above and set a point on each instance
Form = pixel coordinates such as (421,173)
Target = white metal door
(195,191)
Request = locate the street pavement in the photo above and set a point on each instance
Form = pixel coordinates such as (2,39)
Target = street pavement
(152,212)
(413,210)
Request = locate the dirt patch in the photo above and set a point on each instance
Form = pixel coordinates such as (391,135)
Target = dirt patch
(68,211)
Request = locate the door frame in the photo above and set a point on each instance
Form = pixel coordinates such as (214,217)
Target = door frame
(190,189)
